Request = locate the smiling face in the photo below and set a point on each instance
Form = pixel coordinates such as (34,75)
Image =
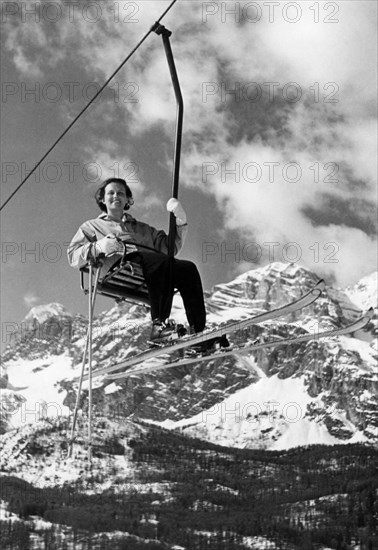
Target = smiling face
(115,199)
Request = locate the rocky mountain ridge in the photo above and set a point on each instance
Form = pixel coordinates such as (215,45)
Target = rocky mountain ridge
(319,392)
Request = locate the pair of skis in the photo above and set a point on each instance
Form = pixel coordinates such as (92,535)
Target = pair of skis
(216,334)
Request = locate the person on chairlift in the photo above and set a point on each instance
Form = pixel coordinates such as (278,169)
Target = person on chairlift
(106,236)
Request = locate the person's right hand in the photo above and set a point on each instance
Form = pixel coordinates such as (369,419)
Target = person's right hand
(109,245)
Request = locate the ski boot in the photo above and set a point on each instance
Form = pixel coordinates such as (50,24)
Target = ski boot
(161,332)
(207,347)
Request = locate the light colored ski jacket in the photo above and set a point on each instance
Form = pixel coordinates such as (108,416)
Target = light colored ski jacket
(81,249)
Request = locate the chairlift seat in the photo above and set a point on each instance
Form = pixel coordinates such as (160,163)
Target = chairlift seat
(124,282)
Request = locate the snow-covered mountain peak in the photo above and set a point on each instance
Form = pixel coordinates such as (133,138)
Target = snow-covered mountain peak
(45,329)
(276,271)
(261,289)
(364,293)
(333,380)
(43,313)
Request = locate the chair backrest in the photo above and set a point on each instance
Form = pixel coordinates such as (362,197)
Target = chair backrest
(124,282)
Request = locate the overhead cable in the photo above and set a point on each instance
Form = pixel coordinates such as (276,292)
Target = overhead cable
(88,104)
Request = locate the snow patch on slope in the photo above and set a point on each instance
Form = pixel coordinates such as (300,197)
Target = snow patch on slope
(270,413)
(365,350)
(41,396)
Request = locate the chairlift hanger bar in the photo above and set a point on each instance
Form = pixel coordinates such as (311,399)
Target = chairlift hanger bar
(152,29)
(165,34)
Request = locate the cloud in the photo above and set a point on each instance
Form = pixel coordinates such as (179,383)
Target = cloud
(107,164)
(31,299)
(329,135)
(280,117)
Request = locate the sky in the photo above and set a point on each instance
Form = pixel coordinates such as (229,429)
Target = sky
(279,157)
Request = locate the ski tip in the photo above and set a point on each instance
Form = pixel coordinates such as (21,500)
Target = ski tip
(369,313)
(320,285)
(365,319)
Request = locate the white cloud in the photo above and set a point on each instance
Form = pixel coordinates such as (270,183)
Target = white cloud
(31,299)
(332,125)
(108,164)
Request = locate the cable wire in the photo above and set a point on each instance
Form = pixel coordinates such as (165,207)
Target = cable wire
(88,104)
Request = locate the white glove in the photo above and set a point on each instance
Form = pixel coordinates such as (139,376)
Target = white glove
(174,206)
(109,245)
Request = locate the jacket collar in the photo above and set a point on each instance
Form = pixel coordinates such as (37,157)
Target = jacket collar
(125,218)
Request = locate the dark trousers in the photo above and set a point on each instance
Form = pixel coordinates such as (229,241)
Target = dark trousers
(163,275)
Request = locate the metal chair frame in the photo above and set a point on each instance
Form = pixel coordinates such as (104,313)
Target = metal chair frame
(124,281)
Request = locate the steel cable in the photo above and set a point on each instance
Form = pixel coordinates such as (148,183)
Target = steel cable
(88,105)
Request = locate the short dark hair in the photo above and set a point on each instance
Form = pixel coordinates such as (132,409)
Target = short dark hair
(100,193)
